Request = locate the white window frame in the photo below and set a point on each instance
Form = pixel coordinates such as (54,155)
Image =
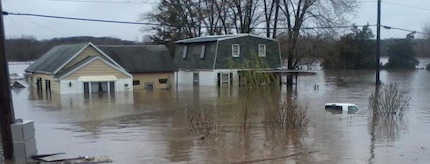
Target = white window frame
(202,52)
(184,53)
(262,50)
(233,52)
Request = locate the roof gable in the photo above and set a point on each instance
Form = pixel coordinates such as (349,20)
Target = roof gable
(59,56)
(141,58)
(55,58)
(86,62)
(213,38)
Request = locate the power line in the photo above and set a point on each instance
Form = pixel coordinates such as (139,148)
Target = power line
(117,2)
(16,26)
(402,29)
(80,19)
(159,24)
(405,5)
(46,28)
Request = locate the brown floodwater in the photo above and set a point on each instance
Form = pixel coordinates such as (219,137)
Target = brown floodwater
(151,127)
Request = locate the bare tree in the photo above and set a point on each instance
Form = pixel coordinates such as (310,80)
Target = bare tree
(298,13)
(271,13)
(244,14)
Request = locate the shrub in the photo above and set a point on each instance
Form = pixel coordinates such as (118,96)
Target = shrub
(289,116)
(388,100)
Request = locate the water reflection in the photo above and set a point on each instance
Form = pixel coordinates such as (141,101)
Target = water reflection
(150,127)
(387,129)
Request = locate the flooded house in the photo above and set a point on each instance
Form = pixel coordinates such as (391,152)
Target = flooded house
(78,68)
(220,59)
(152,66)
(87,68)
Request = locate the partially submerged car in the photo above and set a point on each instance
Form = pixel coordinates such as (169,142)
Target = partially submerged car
(339,108)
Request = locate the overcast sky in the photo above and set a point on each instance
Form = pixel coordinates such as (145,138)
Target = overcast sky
(406,14)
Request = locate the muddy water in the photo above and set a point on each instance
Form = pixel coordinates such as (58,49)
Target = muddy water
(150,127)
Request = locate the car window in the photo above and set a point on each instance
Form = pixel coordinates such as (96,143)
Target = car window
(352,109)
(333,107)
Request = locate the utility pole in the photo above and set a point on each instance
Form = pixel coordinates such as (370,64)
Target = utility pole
(7,116)
(378,45)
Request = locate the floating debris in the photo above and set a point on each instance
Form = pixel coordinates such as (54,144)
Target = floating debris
(17,85)
(16,76)
(62,158)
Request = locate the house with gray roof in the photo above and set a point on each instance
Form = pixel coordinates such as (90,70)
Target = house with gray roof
(220,59)
(87,68)
(152,66)
(78,68)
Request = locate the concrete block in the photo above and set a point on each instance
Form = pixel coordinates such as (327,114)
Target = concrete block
(23,151)
(19,152)
(24,142)
(30,148)
(22,131)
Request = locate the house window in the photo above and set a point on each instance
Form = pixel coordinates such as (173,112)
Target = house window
(235,50)
(202,52)
(136,82)
(184,53)
(149,87)
(162,81)
(261,50)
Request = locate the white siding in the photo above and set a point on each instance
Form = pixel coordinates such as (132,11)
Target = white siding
(184,77)
(208,78)
(120,84)
(235,78)
(77,87)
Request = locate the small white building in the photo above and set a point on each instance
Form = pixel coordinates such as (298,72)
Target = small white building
(220,59)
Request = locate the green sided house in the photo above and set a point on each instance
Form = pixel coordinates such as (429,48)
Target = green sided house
(152,66)
(78,68)
(220,59)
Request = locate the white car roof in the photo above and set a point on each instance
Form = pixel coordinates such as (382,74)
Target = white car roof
(341,104)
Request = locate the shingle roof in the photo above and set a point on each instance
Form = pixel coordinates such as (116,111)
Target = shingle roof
(79,64)
(212,38)
(55,58)
(141,58)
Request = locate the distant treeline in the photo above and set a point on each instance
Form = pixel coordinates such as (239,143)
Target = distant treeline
(28,48)
(421,46)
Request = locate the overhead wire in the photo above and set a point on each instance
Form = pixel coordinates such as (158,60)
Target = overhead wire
(153,24)
(41,26)
(16,26)
(159,24)
(405,5)
(117,2)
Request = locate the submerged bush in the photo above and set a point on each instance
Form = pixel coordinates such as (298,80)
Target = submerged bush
(428,67)
(200,124)
(387,128)
(289,116)
(388,100)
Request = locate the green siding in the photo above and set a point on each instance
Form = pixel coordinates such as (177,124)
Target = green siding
(224,59)
(248,51)
(193,60)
